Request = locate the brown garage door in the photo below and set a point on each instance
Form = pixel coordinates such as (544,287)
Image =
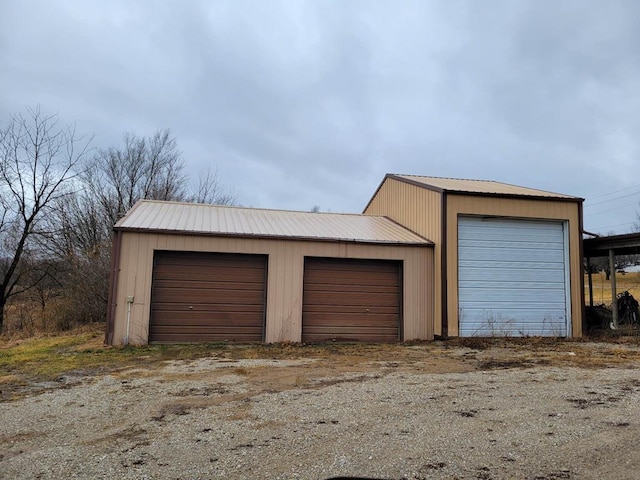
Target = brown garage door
(207,297)
(351,300)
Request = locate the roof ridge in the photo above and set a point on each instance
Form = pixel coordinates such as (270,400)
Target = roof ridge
(450,178)
(259,209)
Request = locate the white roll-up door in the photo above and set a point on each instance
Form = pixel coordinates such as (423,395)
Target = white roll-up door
(512,277)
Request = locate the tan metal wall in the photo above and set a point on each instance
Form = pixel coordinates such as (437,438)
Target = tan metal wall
(420,210)
(284,282)
(517,208)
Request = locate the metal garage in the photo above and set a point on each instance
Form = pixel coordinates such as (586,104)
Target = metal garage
(207,297)
(512,277)
(508,259)
(184,272)
(351,299)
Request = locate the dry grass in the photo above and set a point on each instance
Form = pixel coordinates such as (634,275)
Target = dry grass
(602,287)
(33,365)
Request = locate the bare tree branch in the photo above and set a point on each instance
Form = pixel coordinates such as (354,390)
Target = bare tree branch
(37,161)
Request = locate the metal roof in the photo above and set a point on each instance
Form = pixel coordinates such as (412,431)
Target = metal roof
(624,244)
(177,217)
(483,187)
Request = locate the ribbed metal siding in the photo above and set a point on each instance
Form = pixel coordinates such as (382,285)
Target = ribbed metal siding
(351,300)
(511,277)
(207,297)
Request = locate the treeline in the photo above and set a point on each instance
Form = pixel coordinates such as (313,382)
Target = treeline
(59,199)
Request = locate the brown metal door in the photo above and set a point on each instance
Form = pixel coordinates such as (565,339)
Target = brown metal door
(351,300)
(207,297)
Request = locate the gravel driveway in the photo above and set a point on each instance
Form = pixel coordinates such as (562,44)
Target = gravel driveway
(428,412)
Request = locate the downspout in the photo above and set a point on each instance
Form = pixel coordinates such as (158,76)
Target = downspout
(113,286)
(129,302)
(590,275)
(614,299)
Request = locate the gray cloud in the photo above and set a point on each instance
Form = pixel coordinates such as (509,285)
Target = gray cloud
(303,103)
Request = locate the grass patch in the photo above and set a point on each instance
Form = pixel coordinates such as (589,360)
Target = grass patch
(47,358)
(602,288)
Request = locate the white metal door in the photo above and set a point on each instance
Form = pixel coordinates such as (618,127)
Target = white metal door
(512,277)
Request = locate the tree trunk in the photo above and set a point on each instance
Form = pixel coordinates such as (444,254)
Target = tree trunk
(3,302)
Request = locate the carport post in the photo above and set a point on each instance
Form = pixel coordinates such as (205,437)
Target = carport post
(614,302)
(590,281)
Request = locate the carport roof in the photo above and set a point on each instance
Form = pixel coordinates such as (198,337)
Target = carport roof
(177,217)
(478,187)
(625,244)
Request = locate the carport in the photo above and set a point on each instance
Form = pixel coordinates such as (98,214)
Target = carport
(610,246)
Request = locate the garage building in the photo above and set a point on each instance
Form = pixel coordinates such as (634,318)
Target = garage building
(190,273)
(508,259)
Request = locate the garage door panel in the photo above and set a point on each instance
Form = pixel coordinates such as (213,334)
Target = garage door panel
(168,318)
(375,289)
(200,335)
(203,274)
(347,309)
(532,244)
(207,297)
(208,307)
(508,238)
(200,295)
(355,319)
(511,277)
(355,300)
(209,285)
(530,275)
(528,313)
(205,259)
(499,266)
(350,298)
(521,255)
(352,278)
(534,307)
(505,287)
(351,265)
(498,228)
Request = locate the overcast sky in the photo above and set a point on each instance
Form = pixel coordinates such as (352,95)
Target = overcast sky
(303,103)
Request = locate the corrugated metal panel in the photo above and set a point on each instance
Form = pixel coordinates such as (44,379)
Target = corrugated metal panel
(459,185)
(284,283)
(420,210)
(351,300)
(210,219)
(511,277)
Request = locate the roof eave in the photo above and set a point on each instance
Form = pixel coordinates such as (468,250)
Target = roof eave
(454,191)
(417,243)
(515,196)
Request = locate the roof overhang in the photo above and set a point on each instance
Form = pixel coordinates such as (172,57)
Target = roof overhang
(179,218)
(626,244)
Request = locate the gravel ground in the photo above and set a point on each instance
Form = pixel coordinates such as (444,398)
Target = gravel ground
(433,415)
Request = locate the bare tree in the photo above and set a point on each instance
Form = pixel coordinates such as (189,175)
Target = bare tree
(210,190)
(116,178)
(143,168)
(38,161)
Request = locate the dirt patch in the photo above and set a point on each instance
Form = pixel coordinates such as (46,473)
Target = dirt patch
(545,410)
